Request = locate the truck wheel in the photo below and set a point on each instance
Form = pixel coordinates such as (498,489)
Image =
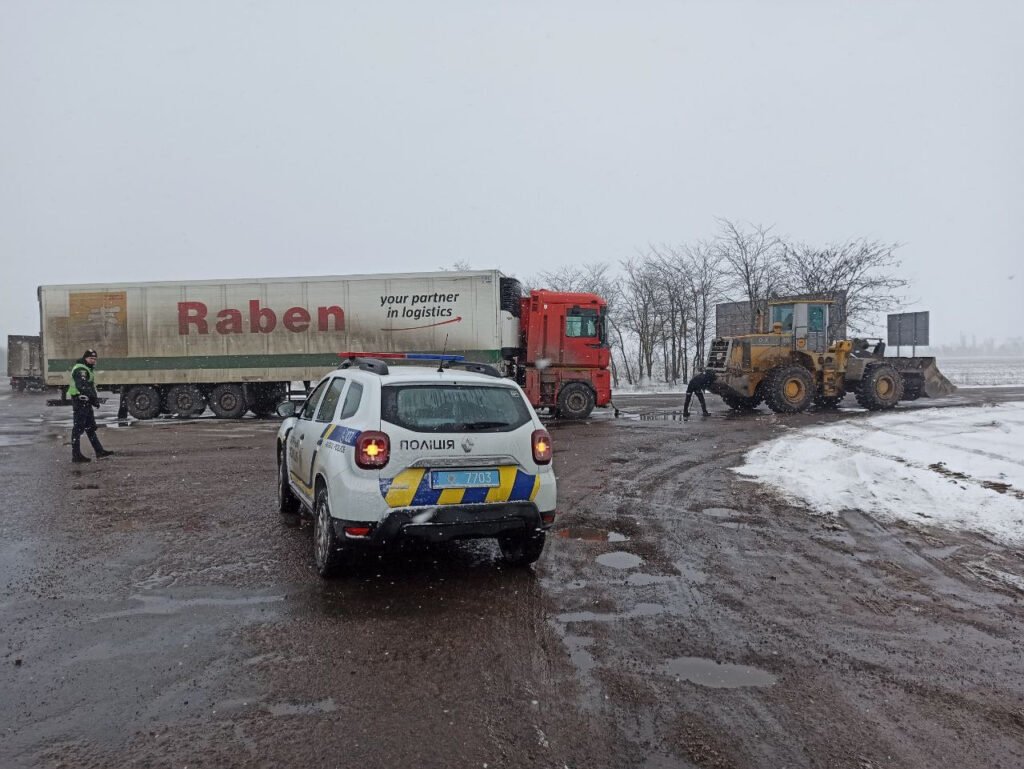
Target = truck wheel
(327,552)
(575,401)
(185,401)
(881,388)
(788,389)
(521,549)
(143,401)
(265,399)
(741,402)
(227,401)
(287,502)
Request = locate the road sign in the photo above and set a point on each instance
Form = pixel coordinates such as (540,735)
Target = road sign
(909,329)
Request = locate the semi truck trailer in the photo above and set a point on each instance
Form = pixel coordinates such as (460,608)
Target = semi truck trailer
(25,362)
(236,345)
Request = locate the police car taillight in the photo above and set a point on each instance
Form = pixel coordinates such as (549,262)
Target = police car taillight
(373,449)
(541,447)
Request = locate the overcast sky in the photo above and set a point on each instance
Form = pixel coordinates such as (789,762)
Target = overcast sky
(186,140)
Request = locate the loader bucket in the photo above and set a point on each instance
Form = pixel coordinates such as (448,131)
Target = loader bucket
(935,383)
(930,381)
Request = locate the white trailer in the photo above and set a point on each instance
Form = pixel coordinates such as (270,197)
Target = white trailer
(236,344)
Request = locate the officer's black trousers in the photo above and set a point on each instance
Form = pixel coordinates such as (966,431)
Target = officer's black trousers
(84,422)
(700,397)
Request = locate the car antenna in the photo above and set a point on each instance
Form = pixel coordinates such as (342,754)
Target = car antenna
(444,349)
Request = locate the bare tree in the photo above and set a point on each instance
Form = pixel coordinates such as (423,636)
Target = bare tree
(459,265)
(864,269)
(706,280)
(755,257)
(640,311)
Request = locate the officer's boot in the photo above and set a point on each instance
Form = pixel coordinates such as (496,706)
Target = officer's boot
(76,452)
(97,446)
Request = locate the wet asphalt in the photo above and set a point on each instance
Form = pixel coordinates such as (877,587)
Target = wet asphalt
(156,612)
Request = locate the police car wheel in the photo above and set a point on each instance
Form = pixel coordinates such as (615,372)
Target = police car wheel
(326,549)
(521,549)
(287,502)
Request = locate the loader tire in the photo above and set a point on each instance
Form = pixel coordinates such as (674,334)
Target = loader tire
(881,388)
(788,389)
(830,402)
(913,388)
(742,402)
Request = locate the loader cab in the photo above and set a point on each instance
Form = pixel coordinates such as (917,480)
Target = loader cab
(807,322)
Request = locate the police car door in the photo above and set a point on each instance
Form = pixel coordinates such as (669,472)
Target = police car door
(323,423)
(302,440)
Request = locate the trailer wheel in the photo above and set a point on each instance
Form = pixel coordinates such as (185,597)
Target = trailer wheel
(881,388)
(143,401)
(788,389)
(185,401)
(227,401)
(575,401)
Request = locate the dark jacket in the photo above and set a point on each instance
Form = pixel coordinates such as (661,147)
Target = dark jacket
(701,382)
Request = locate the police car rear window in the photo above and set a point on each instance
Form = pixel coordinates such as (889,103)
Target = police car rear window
(453,408)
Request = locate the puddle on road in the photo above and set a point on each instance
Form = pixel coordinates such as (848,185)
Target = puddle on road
(620,559)
(707,672)
(591,534)
(302,708)
(159,604)
(640,610)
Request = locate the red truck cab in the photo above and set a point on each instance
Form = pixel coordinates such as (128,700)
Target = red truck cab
(565,353)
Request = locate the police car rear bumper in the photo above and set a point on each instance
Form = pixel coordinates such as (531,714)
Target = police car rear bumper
(447,522)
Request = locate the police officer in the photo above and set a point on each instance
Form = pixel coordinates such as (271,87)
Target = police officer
(697,386)
(83,400)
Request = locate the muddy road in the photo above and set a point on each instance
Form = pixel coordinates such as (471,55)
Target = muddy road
(155,612)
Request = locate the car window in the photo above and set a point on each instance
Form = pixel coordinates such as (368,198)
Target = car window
(309,407)
(330,402)
(352,399)
(451,408)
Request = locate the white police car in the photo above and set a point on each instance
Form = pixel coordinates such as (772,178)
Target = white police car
(379,454)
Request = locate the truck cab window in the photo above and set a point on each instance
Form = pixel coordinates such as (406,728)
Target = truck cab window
(581,323)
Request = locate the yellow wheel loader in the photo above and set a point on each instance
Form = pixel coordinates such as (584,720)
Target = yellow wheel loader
(795,365)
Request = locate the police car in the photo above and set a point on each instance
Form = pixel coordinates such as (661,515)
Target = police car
(378,454)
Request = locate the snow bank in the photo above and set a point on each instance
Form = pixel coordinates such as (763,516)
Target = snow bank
(955,467)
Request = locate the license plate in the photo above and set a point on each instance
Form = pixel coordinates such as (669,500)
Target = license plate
(464,479)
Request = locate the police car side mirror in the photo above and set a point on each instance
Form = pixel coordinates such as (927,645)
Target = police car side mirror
(286,409)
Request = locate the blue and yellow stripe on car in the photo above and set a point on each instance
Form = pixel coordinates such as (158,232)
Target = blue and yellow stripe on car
(411,488)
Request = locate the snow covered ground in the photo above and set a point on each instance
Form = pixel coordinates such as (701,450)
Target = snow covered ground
(980,372)
(955,467)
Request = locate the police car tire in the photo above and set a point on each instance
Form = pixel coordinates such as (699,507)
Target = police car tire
(287,502)
(327,554)
(575,401)
(521,549)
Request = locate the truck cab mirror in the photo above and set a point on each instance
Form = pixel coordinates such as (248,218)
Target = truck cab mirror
(286,409)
